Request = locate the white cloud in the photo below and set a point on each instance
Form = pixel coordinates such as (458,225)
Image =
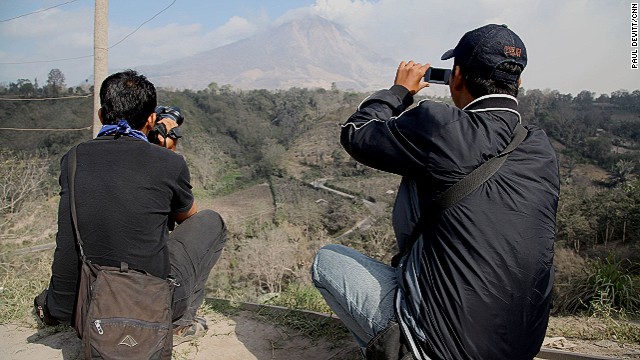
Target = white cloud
(572,44)
(55,34)
(174,41)
(39,26)
(235,29)
(44,36)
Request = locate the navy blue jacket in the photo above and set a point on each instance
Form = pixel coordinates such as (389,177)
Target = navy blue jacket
(477,284)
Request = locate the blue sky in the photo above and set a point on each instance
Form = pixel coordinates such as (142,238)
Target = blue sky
(573,45)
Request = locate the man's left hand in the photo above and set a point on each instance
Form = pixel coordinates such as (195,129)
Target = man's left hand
(410,75)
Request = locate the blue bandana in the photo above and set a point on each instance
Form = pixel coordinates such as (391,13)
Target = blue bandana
(123,128)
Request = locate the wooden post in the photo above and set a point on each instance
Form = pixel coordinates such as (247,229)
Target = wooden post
(100,56)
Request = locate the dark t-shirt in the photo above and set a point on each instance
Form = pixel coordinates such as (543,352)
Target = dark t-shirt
(126,188)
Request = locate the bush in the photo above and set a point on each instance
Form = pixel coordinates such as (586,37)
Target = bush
(23,179)
(301,296)
(606,283)
(22,278)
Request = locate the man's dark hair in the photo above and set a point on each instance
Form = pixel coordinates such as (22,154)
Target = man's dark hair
(480,87)
(127,96)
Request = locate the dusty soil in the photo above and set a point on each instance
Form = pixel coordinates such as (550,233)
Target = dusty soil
(239,336)
(254,203)
(567,333)
(245,335)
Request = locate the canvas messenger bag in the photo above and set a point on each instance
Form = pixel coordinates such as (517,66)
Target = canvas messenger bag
(121,313)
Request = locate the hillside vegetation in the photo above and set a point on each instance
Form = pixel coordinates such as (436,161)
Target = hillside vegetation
(254,154)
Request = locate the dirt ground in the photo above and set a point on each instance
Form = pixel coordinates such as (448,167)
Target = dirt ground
(563,334)
(242,335)
(239,336)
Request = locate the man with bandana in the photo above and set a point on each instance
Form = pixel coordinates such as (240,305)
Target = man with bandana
(128,193)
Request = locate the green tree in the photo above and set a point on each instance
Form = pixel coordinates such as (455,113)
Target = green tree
(25,87)
(598,149)
(621,171)
(584,98)
(55,82)
(272,154)
(573,226)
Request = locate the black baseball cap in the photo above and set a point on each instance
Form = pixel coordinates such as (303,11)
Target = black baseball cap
(481,50)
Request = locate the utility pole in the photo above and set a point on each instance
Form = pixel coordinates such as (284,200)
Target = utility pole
(100,56)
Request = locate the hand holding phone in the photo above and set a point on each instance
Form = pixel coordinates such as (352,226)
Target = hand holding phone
(437,76)
(410,75)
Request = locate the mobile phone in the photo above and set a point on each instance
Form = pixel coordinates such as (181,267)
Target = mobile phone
(437,76)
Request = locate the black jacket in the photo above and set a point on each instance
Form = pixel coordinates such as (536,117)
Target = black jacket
(477,283)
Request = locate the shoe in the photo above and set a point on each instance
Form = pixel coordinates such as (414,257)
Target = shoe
(197,329)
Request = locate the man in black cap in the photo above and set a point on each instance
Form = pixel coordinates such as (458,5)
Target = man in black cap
(472,280)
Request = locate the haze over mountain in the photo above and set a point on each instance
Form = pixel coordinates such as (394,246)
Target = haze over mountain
(307,53)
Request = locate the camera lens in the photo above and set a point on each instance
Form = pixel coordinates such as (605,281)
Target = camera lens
(170,112)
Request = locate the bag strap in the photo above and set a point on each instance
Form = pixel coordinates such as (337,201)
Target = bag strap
(478,176)
(465,186)
(71,174)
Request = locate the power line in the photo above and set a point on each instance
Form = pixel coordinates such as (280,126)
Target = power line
(38,11)
(89,56)
(138,28)
(45,129)
(44,61)
(51,98)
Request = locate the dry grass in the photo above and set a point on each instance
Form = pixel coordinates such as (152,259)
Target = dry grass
(594,328)
(23,275)
(35,224)
(22,278)
(252,204)
(590,173)
(382,187)
(568,264)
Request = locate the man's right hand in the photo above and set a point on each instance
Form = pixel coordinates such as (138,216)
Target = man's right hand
(180,217)
(410,75)
(168,142)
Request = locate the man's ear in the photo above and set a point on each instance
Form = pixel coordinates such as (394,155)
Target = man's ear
(100,116)
(458,88)
(457,79)
(151,121)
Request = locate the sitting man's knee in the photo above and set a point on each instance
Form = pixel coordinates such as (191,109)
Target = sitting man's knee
(210,216)
(325,258)
(210,219)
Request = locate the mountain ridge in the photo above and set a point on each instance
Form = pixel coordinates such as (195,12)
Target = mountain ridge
(309,53)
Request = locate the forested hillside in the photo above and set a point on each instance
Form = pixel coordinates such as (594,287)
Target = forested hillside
(288,138)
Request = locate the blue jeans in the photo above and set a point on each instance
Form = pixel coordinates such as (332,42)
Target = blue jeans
(359,289)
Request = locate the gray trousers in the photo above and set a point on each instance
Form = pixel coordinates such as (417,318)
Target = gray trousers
(194,247)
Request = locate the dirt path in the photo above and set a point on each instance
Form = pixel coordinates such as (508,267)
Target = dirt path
(239,336)
(245,335)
